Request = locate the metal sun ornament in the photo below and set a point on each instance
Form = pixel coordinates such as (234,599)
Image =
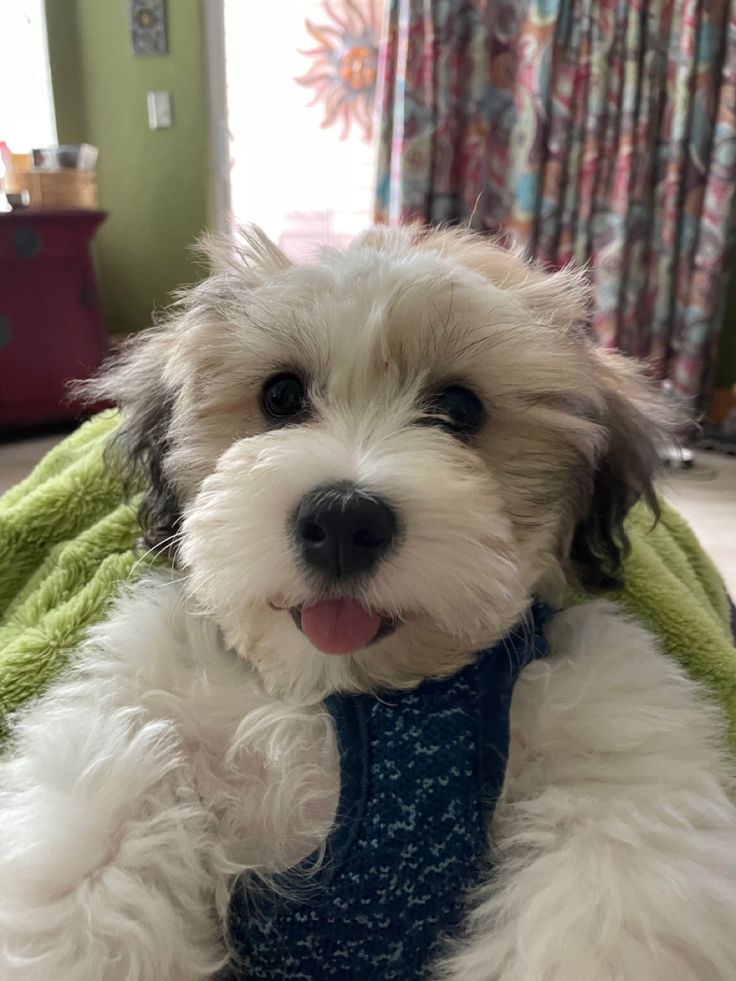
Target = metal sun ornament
(345,65)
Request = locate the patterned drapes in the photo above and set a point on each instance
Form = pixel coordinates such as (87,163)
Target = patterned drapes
(594,131)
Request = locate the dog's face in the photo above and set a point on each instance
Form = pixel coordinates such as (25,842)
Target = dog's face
(369,463)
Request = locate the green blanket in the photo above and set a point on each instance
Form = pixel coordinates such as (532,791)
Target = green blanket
(67,540)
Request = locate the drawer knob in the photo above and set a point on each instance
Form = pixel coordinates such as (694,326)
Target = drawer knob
(88,296)
(6,331)
(27,243)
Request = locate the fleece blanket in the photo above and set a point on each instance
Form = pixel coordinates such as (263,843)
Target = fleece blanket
(68,540)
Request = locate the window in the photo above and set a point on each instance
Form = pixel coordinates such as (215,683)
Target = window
(302,183)
(26,104)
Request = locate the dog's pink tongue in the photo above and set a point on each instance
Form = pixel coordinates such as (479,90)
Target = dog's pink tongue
(339,626)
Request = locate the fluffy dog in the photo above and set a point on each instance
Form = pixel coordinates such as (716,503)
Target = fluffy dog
(365,468)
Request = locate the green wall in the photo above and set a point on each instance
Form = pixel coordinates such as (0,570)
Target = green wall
(154,184)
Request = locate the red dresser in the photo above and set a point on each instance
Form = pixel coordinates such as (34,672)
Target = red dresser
(51,326)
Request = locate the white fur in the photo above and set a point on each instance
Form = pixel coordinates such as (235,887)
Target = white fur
(160,769)
(188,744)
(616,835)
(155,772)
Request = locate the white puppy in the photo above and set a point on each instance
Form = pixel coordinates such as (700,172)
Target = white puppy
(364,469)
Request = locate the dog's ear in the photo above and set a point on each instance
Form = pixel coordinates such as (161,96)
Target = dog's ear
(148,376)
(135,379)
(637,424)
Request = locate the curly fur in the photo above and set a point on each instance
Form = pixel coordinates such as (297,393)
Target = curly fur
(188,745)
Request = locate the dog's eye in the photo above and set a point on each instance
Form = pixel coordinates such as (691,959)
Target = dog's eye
(456,409)
(284,396)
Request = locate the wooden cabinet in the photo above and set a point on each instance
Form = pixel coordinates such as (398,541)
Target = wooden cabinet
(51,326)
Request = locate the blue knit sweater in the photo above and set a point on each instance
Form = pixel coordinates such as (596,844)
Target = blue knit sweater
(420,775)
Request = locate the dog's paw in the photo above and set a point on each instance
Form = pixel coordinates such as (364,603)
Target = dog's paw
(101,865)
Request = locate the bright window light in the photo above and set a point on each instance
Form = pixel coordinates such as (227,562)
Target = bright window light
(26,105)
(303,184)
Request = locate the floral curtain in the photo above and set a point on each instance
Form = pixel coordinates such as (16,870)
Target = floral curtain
(593,131)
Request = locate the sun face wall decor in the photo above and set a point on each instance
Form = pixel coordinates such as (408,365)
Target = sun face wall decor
(147,27)
(345,64)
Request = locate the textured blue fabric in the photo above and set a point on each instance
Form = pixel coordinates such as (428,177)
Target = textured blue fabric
(420,774)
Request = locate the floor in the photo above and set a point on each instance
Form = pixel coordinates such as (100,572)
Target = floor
(18,457)
(705,494)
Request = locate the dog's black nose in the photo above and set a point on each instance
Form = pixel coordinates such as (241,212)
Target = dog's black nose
(343,531)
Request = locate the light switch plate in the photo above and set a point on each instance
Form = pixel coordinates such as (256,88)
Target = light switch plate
(159,110)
